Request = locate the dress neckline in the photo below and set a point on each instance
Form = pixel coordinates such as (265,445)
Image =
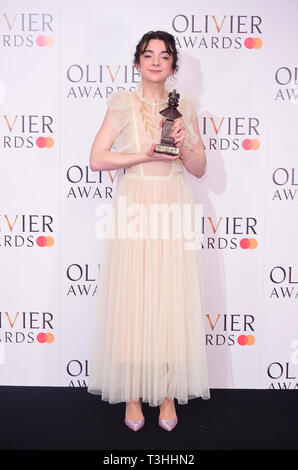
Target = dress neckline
(140,93)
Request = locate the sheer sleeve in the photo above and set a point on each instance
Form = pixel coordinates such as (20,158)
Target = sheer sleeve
(119,102)
(189,115)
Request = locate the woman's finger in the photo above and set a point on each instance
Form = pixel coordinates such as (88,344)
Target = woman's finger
(150,152)
(179,137)
(178,131)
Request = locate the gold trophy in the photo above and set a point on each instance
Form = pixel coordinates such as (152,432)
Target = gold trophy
(171,113)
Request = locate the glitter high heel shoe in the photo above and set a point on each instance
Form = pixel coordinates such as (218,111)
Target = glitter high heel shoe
(135,424)
(167,424)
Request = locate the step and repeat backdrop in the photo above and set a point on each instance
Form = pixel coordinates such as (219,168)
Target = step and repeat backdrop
(60,60)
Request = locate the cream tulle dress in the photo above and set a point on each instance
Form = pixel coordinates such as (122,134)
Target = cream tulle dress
(148,336)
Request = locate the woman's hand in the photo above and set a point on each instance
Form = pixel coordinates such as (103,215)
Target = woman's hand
(160,156)
(178,133)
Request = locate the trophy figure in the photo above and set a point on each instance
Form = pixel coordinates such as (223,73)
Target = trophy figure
(171,113)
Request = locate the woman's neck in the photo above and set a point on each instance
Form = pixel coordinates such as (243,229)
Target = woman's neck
(154,91)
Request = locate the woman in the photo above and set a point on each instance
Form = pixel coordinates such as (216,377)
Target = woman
(149,340)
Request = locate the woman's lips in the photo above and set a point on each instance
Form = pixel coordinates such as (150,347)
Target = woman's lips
(154,71)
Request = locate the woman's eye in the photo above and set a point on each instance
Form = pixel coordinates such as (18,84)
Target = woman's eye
(147,56)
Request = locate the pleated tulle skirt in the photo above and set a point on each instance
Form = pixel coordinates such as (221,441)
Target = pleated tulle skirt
(149,332)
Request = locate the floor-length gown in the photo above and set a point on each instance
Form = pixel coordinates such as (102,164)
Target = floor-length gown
(148,335)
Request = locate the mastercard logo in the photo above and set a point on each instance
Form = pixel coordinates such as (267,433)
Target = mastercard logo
(248,243)
(250,144)
(44,41)
(253,43)
(45,337)
(246,340)
(46,142)
(45,241)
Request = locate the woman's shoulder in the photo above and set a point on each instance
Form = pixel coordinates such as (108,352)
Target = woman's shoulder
(189,106)
(189,102)
(119,99)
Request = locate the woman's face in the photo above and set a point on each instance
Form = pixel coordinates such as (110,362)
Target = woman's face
(155,62)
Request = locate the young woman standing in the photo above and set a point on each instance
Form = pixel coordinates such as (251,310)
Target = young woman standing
(149,338)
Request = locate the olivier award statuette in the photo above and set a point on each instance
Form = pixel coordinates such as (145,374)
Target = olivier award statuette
(171,113)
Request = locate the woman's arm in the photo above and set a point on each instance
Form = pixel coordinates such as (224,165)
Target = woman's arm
(101,158)
(195,160)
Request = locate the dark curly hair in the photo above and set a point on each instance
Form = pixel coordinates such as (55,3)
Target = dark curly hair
(169,41)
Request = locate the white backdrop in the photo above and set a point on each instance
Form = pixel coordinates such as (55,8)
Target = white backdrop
(60,60)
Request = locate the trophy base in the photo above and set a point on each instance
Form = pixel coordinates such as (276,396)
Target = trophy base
(167,149)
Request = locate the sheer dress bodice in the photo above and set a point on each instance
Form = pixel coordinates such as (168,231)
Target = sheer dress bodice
(137,123)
